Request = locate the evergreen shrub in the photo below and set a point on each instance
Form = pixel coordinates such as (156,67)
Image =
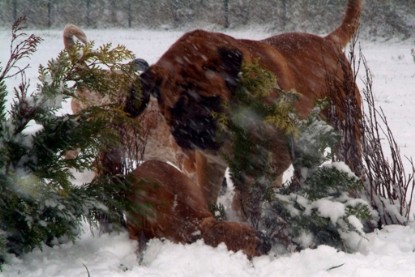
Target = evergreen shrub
(39,202)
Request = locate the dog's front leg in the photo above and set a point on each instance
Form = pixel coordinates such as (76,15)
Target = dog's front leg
(210,174)
(257,164)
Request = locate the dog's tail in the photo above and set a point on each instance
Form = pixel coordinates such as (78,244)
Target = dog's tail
(69,32)
(344,33)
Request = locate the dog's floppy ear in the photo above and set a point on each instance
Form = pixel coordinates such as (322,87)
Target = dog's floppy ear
(139,65)
(231,63)
(149,82)
(144,86)
(137,100)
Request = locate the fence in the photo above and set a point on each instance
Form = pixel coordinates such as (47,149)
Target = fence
(380,18)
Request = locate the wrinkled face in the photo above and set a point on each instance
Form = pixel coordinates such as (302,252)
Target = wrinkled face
(192,82)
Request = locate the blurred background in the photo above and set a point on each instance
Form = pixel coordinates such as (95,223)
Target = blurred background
(381,19)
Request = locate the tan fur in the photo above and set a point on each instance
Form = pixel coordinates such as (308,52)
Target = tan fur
(169,205)
(202,67)
(70,32)
(155,134)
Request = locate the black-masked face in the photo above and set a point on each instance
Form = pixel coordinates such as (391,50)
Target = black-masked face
(193,82)
(194,121)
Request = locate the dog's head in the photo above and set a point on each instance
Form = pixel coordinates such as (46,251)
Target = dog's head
(193,81)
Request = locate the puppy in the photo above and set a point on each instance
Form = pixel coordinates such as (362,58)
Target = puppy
(198,76)
(164,203)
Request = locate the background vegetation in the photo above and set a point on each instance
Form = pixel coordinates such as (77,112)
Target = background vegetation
(383,19)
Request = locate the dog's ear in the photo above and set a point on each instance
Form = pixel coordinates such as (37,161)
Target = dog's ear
(231,63)
(150,82)
(145,85)
(137,100)
(139,65)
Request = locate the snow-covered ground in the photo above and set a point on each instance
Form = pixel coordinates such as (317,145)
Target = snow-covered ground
(387,252)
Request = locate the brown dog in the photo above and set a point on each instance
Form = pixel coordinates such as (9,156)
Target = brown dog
(199,74)
(166,204)
(155,138)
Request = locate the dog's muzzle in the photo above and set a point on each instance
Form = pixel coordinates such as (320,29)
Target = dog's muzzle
(196,134)
(193,124)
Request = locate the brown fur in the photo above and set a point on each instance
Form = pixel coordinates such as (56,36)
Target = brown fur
(201,70)
(170,206)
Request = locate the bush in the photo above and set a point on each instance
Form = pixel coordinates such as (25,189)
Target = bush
(38,201)
(322,204)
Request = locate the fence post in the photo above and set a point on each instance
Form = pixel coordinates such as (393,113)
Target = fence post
(49,13)
(226,13)
(88,13)
(14,10)
(129,14)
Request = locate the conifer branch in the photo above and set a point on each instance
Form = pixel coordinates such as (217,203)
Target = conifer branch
(21,47)
(38,201)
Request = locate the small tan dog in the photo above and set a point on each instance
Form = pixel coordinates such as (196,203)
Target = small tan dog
(155,137)
(167,204)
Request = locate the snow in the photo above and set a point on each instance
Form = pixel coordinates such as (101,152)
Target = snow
(386,252)
(330,209)
(389,253)
(343,167)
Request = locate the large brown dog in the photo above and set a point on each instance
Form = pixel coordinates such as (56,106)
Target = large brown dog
(199,74)
(165,203)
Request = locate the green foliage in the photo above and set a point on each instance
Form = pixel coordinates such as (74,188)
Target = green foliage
(283,115)
(33,213)
(320,206)
(322,211)
(258,99)
(255,81)
(326,181)
(38,201)
(87,69)
(258,107)
(218,210)
(314,139)
(111,192)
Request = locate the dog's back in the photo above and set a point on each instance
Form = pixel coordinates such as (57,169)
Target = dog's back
(342,35)
(305,58)
(316,67)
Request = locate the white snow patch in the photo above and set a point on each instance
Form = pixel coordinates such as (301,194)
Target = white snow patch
(330,209)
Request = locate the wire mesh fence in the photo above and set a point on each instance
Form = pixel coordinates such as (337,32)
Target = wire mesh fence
(381,18)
